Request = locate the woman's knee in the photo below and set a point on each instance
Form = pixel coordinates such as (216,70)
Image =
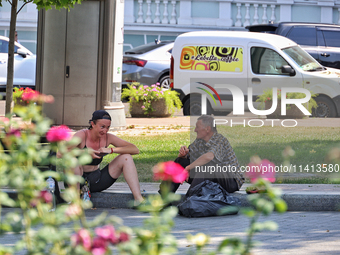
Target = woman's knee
(125,158)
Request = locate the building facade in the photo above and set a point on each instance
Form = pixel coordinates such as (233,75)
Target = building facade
(147,20)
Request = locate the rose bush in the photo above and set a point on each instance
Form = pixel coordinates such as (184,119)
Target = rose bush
(66,230)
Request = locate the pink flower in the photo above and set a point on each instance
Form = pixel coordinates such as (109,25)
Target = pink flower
(83,238)
(107,233)
(134,87)
(154,89)
(162,92)
(145,86)
(170,171)
(4,120)
(58,133)
(157,95)
(143,107)
(15,132)
(99,246)
(73,210)
(263,169)
(124,237)
(153,86)
(45,196)
(30,95)
(158,84)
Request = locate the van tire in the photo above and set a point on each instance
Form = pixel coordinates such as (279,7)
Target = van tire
(325,109)
(192,107)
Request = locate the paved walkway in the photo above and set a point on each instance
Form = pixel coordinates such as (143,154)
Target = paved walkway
(298,233)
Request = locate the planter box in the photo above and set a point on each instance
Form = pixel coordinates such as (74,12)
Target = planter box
(159,106)
(292,113)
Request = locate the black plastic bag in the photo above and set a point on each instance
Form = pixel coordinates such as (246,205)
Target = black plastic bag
(205,199)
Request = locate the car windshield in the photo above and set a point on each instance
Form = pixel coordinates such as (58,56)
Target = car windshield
(146,47)
(303,59)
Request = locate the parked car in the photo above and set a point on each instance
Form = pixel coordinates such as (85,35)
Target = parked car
(148,64)
(24,66)
(319,40)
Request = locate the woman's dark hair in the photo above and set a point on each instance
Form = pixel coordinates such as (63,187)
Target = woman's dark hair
(99,115)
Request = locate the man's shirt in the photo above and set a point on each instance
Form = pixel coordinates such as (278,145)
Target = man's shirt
(224,154)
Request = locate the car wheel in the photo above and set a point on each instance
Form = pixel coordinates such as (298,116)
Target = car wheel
(164,82)
(325,108)
(192,107)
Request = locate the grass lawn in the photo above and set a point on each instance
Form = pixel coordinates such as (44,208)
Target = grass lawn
(311,145)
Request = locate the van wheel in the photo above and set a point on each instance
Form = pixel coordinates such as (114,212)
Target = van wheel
(223,113)
(192,107)
(325,108)
(164,82)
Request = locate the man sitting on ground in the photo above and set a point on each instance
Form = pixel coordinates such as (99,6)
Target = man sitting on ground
(209,157)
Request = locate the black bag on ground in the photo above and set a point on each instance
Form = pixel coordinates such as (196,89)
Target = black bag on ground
(205,199)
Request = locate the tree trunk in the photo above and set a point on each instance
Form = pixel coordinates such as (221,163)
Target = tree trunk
(10,62)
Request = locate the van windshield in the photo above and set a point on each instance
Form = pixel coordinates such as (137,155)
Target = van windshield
(303,59)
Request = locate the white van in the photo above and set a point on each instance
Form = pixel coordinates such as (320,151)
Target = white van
(210,63)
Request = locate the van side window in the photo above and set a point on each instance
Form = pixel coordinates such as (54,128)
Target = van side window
(303,35)
(266,61)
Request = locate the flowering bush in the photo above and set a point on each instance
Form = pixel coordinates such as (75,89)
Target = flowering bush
(268,96)
(66,230)
(26,95)
(147,94)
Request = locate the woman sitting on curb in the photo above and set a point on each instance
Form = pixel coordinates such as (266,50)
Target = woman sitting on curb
(97,139)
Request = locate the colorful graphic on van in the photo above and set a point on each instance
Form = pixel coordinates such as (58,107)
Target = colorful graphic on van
(209,93)
(212,58)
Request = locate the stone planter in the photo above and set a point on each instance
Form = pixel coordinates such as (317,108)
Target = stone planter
(292,113)
(159,106)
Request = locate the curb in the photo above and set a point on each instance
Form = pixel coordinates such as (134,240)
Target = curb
(295,202)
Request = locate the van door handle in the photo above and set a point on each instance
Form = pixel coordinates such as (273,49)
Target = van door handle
(325,55)
(255,80)
(67,71)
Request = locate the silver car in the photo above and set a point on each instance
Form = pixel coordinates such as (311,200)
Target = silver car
(148,64)
(24,66)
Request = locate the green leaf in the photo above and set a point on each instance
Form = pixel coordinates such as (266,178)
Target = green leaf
(84,159)
(248,212)
(6,200)
(270,225)
(227,210)
(280,205)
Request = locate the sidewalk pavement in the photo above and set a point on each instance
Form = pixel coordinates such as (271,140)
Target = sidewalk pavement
(298,233)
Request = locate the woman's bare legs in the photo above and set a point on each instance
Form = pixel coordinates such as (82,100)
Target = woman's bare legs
(78,170)
(124,164)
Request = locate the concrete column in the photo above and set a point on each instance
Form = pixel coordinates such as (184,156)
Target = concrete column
(285,9)
(129,11)
(326,10)
(225,19)
(185,13)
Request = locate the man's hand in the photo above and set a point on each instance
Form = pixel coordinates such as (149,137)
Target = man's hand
(183,152)
(187,168)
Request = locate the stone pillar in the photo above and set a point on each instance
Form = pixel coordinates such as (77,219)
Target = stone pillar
(285,10)
(225,19)
(128,11)
(185,13)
